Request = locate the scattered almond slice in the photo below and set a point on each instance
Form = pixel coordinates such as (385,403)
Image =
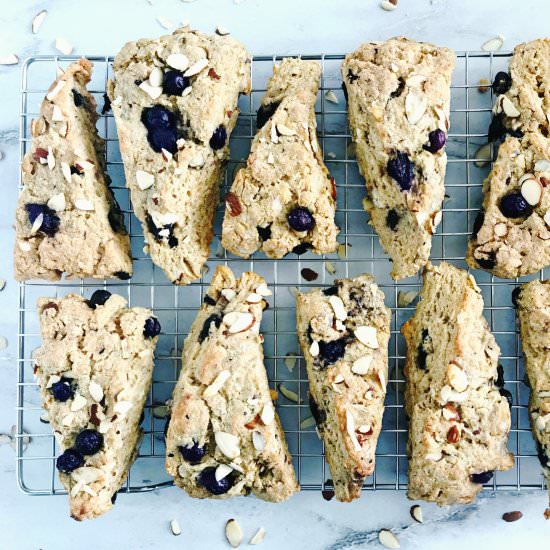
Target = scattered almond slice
(217,384)
(307,423)
(493,44)
(314,348)
(228,444)
(367,336)
(508,107)
(542,165)
(263,290)
(387,5)
(84,204)
(388,539)
(329,267)
(197,67)
(153,92)
(175,527)
(164,22)
(483,155)
(258,537)
(238,321)
(416,513)
(289,394)
(415,107)
(178,61)
(405,298)
(156,77)
(338,307)
(64,46)
(9,59)
(233,533)
(290,361)
(531,191)
(37,21)
(361,365)
(268,414)
(222,471)
(331,96)
(144,179)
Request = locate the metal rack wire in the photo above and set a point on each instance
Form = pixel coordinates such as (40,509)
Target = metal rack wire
(176,306)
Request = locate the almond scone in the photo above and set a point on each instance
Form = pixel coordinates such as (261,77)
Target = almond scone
(398,94)
(511,234)
(224,437)
(459,414)
(94,370)
(175,104)
(533,307)
(284,198)
(344,332)
(66,204)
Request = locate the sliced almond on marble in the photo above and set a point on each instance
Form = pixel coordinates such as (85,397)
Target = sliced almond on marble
(9,59)
(197,67)
(175,527)
(457,377)
(367,336)
(178,61)
(233,533)
(388,539)
(329,267)
(361,365)
(258,440)
(331,96)
(289,394)
(416,513)
(387,5)
(314,348)
(483,155)
(37,21)
(268,414)
(406,298)
(239,322)
(415,107)
(144,179)
(307,423)
(228,444)
(493,44)
(531,191)
(64,46)
(258,537)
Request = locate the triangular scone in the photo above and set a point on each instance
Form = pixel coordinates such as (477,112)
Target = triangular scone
(459,414)
(533,305)
(175,104)
(67,220)
(344,332)
(224,438)
(285,197)
(94,370)
(511,234)
(398,95)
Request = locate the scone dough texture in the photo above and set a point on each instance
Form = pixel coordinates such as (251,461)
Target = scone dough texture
(458,420)
(222,403)
(533,306)
(285,170)
(175,195)
(347,390)
(65,170)
(108,361)
(398,93)
(513,247)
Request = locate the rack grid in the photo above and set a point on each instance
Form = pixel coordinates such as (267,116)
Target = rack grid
(176,306)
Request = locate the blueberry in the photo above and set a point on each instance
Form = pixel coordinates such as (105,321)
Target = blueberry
(437,139)
(515,206)
(399,90)
(151,328)
(318,414)
(172,241)
(264,232)
(505,393)
(216,319)
(122,275)
(174,83)
(106,104)
(401,169)
(50,220)
(351,76)
(88,442)
(544,458)
(478,223)
(499,382)
(301,248)
(392,219)
(481,478)
(219,137)
(113,498)
(330,291)
(515,295)
(70,460)
(77,98)
(487,263)
(157,116)
(421,352)
(207,478)
(496,129)
(332,351)
(116,218)
(99,297)
(209,300)
(163,138)
(301,219)
(62,391)
(265,112)
(192,453)
(502,83)
(345,91)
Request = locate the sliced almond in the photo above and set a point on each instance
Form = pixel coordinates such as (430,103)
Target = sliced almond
(367,336)
(331,96)
(96,391)
(37,21)
(222,471)
(289,394)
(542,165)
(228,293)
(178,61)
(233,533)
(416,513)
(546,218)
(258,537)
(338,308)
(406,298)
(258,440)
(228,444)
(387,5)
(9,59)
(531,191)
(238,321)
(508,107)
(197,67)
(500,229)
(434,457)
(268,414)
(350,428)
(493,44)
(217,384)
(197,161)
(37,224)
(329,267)
(144,179)
(175,527)
(253,298)
(156,77)
(415,107)
(457,377)
(273,133)
(57,114)
(84,204)
(314,348)
(262,290)
(122,407)
(164,22)
(361,366)
(483,155)
(64,46)
(50,159)
(153,92)
(55,90)
(79,402)
(450,413)
(285,130)
(66,171)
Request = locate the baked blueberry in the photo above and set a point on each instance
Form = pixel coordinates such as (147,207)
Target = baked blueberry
(318,414)
(487,263)
(264,232)
(481,478)
(172,241)
(192,453)
(77,98)
(544,458)
(265,112)
(116,218)
(301,219)
(515,295)
(209,300)
(174,83)
(392,219)
(151,328)
(216,319)
(99,297)
(505,393)
(301,248)
(88,442)
(157,116)
(50,220)
(70,460)
(399,90)
(207,479)
(401,169)
(515,206)
(422,352)
(106,104)
(113,498)
(478,223)
(502,83)
(219,137)
(163,138)
(332,351)
(496,129)
(436,141)
(62,391)
(499,382)
(122,275)
(330,291)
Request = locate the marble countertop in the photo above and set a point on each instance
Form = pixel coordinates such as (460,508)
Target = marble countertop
(306,521)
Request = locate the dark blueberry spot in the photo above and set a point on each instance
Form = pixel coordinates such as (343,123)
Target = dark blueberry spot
(106,104)
(70,460)
(332,351)
(515,206)
(499,382)
(481,478)
(122,275)
(219,137)
(113,498)
(399,90)
(318,414)
(158,116)
(216,319)
(436,139)
(151,328)
(116,218)
(50,220)
(422,350)
(77,98)
(174,83)
(392,219)
(345,90)
(478,223)
(163,138)
(265,112)
(502,83)
(207,478)
(88,442)
(515,295)
(76,170)
(172,241)
(301,219)
(515,133)
(156,231)
(352,77)
(505,393)
(137,81)
(264,232)
(99,297)
(62,391)
(401,169)
(497,130)
(544,458)
(209,300)
(192,453)
(330,291)
(301,248)
(487,263)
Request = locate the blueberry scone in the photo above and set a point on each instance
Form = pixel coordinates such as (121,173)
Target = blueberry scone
(459,414)
(511,235)
(398,94)
(344,332)
(94,370)
(284,198)
(533,306)
(224,437)
(66,204)
(175,104)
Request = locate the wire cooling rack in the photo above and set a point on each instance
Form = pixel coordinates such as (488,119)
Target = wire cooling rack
(176,306)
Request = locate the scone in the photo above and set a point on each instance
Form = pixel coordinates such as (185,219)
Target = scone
(66,204)
(511,235)
(398,94)
(224,437)
(175,104)
(94,370)
(459,414)
(284,198)
(344,332)
(533,306)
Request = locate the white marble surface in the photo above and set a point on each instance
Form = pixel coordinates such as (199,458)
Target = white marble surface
(306,521)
